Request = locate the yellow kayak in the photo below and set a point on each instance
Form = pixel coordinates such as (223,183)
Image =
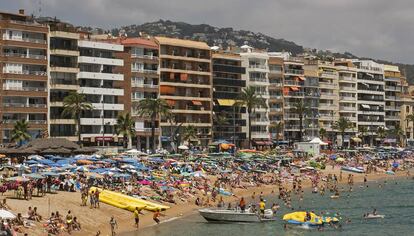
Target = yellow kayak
(126,202)
(299,217)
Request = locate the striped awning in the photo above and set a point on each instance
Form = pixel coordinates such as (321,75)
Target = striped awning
(226,102)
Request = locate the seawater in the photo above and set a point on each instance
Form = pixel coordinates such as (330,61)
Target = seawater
(395,200)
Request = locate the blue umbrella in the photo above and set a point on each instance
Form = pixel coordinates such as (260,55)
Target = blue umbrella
(46,162)
(30,162)
(395,165)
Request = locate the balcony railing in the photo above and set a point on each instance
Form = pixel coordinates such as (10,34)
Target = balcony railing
(258,66)
(30,121)
(24,55)
(275,109)
(144,56)
(146,129)
(260,120)
(294,71)
(39,89)
(145,71)
(24,105)
(141,85)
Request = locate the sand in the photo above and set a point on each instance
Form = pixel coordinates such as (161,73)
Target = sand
(93,220)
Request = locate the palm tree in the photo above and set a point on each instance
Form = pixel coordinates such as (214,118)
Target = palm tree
(19,132)
(301,109)
(277,127)
(381,132)
(322,133)
(410,118)
(150,107)
(125,126)
(251,101)
(342,125)
(397,132)
(220,121)
(73,105)
(190,132)
(363,130)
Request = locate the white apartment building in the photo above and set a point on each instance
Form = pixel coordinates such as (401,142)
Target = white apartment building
(257,76)
(370,90)
(102,87)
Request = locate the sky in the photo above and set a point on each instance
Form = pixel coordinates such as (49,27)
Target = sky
(380,29)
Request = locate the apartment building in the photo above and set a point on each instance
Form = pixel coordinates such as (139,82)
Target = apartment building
(328,112)
(257,77)
(24,74)
(370,87)
(406,109)
(293,91)
(348,108)
(103,87)
(275,105)
(393,96)
(186,84)
(141,80)
(229,121)
(63,77)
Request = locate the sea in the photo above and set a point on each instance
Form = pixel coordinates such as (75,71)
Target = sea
(392,198)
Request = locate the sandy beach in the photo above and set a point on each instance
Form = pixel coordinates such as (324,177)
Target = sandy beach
(93,220)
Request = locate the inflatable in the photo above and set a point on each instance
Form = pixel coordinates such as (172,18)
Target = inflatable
(372,216)
(352,169)
(299,218)
(126,202)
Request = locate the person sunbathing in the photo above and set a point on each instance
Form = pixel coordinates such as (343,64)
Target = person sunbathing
(4,205)
(76,225)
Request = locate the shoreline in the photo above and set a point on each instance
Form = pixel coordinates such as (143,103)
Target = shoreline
(187,209)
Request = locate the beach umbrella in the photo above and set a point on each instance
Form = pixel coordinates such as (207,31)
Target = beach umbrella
(31,162)
(46,162)
(107,172)
(145,182)
(127,167)
(128,160)
(167,188)
(17,178)
(84,162)
(120,175)
(6,215)
(82,169)
(34,176)
(35,157)
(115,169)
(94,175)
(340,159)
(37,165)
(48,173)
(395,165)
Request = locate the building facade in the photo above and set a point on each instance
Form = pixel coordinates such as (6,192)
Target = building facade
(186,84)
(229,121)
(24,75)
(275,105)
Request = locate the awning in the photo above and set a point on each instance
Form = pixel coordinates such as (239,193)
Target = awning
(183,77)
(365,106)
(294,88)
(171,102)
(226,102)
(197,103)
(167,90)
(390,140)
(301,78)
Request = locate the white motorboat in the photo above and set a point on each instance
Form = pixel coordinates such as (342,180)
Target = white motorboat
(223,215)
(372,216)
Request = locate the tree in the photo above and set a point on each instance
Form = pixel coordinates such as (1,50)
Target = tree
(19,132)
(381,132)
(190,132)
(220,121)
(301,109)
(74,104)
(249,99)
(363,130)
(322,133)
(398,133)
(125,126)
(342,125)
(277,127)
(150,107)
(410,118)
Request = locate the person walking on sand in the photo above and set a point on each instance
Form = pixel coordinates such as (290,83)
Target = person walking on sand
(156,216)
(136,217)
(113,224)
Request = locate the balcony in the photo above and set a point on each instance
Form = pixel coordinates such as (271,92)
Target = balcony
(392,108)
(37,122)
(102,91)
(142,85)
(326,85)
(298,94)
(393,88)
(392,118)
(144,56)
(28,40)
(144,71)
(347,98)
(157,130)
(258,66)
(24,105)
(15,88)
(294,71)
(100,76)
(229,82)
(329,95)
(108,106)
(100,61)
(387,97)
(328,74)
(275,109)
(24,55)
(25,72)
(347,79)
(343,108)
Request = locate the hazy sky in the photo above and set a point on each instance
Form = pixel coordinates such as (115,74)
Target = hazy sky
(382,29)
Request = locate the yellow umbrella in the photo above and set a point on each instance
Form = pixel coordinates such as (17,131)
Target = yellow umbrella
(340,159)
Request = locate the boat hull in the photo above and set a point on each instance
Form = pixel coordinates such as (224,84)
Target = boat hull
(228,216)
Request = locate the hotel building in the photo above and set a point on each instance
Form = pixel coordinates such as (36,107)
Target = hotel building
(186,84)
(257,77)
(141,80)
(227,86)
(24,75)
(370,92)
(275,105)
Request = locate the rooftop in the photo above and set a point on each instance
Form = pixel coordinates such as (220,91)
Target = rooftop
(182,43)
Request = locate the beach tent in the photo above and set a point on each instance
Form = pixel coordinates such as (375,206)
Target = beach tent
(318,141)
